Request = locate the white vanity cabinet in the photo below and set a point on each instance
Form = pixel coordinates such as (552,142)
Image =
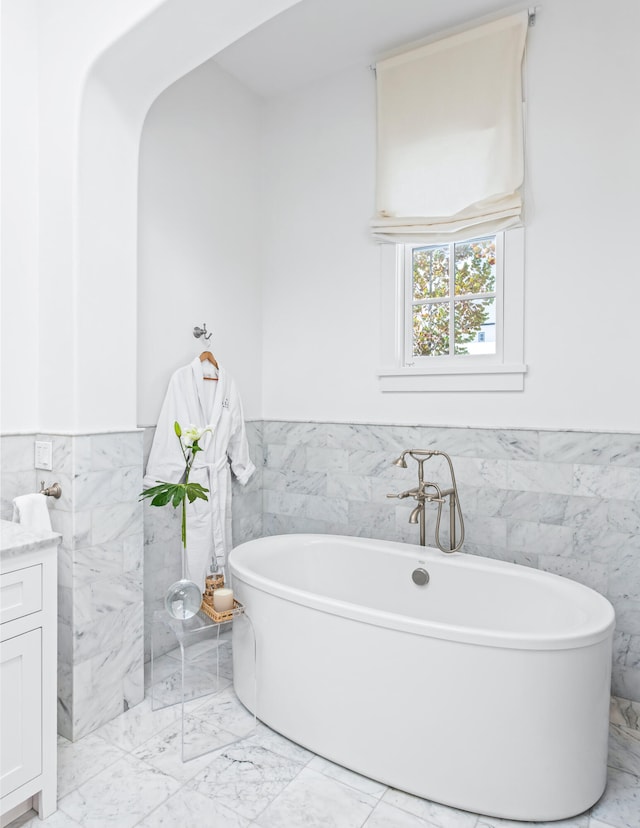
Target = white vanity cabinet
(28,670)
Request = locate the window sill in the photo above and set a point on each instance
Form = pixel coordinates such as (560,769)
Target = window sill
(453,378)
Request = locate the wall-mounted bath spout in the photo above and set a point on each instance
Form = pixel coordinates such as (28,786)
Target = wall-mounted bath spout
(422,494)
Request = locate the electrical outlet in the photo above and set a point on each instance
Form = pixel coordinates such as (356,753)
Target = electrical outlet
(43,455)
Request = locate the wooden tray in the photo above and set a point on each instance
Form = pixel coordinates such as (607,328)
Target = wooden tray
(227,615)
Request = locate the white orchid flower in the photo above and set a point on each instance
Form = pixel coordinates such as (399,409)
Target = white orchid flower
(192,434)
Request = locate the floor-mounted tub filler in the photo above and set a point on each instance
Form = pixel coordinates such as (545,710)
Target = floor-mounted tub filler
(484,686)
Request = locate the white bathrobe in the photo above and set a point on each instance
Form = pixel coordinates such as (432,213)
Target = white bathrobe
(192,400)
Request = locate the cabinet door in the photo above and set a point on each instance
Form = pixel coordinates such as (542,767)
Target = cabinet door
(20,710)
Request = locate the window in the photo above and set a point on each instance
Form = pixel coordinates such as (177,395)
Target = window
(449,198)
(450,298)
(454,315)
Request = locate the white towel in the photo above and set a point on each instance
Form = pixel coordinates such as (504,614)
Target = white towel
(32,512)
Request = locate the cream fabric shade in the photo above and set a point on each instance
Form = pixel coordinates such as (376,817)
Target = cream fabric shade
(450,135)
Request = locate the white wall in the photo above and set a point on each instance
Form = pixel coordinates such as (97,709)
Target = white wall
(100,66)
(198,249)
(47,49)
(320,289)
(321,313)
(321,292)
(19,96)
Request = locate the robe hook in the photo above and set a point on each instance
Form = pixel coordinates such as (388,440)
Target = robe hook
(51,491)
(198,332)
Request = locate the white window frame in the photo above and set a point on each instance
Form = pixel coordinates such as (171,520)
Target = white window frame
(502,371)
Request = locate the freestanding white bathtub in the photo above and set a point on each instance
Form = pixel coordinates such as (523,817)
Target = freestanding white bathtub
(486,689)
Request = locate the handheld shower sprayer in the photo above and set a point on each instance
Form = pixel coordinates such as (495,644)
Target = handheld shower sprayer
(415,453)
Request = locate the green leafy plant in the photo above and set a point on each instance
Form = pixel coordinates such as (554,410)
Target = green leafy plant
(179,493)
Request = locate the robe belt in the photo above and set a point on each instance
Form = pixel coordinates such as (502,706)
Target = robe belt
(215,484)
(213,469)
(217,520)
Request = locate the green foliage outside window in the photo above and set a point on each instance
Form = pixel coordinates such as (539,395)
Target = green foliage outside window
(474,277)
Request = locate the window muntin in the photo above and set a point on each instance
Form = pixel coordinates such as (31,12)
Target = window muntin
(452,301)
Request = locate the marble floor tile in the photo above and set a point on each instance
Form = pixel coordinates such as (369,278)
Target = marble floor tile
(131,729)
(245,778)
(324,802)
(624,750)
(119,796)
(225,712)
(275,742)
(596,823)
(164,751)
(347,777)
(581,821)
(434,814)
(386,816)
(79,761)
(190,808)
(269,779)
(625,713)
(619,805)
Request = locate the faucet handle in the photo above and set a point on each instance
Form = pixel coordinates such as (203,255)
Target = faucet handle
(410,493)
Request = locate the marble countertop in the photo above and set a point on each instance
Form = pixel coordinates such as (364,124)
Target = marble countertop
(15,539)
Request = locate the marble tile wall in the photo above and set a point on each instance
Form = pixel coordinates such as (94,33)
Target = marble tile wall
(100,591)
(565,502)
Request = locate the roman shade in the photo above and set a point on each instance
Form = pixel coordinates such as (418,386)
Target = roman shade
(450,157)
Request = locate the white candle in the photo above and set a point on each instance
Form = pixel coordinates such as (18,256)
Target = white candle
(222,600)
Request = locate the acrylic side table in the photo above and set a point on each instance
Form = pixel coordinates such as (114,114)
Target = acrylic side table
(191,665)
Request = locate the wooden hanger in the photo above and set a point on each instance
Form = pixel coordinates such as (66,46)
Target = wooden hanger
(209,357)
